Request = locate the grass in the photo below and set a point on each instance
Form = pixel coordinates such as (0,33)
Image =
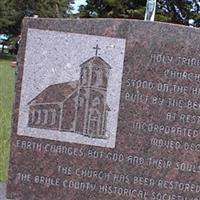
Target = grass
(6,101)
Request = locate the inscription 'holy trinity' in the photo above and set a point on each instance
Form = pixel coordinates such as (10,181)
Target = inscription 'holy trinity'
(176,60)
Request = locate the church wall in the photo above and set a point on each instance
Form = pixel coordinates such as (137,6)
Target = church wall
(97,101)
(44,116)
(68,114)
(84,76)
(106,72)
(81,112)
(99,77)
(91,116)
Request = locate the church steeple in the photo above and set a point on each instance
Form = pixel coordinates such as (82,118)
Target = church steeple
(94,73)
(92,107)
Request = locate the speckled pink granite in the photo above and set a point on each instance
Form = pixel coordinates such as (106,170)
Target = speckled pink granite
(151,49)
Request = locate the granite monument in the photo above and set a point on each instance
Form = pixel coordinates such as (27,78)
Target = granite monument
(106,109)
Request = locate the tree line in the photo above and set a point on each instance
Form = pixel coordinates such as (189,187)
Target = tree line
(12,12)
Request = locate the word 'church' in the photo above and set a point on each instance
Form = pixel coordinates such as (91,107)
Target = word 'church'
(77,106)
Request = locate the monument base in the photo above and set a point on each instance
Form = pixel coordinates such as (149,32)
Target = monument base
(3,191)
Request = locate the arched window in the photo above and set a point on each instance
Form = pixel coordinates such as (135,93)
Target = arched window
(84,76)
(46,115)
(39,112)
(99,78)
(94,123)
(53,116)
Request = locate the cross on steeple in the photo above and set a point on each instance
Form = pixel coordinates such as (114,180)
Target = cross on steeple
(97,49)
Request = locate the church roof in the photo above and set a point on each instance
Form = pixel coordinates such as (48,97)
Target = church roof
(96,61)
(56,93)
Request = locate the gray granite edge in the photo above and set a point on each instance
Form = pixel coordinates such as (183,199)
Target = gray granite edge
(3,191)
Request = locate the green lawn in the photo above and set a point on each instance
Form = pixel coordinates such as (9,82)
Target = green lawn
(6,100)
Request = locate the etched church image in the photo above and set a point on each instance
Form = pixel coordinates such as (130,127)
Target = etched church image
(78,106)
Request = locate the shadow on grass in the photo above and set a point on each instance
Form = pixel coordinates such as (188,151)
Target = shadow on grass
(7,56)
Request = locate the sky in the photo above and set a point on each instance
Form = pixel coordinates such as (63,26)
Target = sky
(77,4)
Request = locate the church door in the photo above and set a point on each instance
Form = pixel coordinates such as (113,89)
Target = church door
(94,123)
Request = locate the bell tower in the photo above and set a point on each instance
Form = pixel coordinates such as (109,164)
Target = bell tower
(91,104)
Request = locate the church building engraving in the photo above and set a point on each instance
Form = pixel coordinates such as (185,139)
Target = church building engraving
(77,106)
